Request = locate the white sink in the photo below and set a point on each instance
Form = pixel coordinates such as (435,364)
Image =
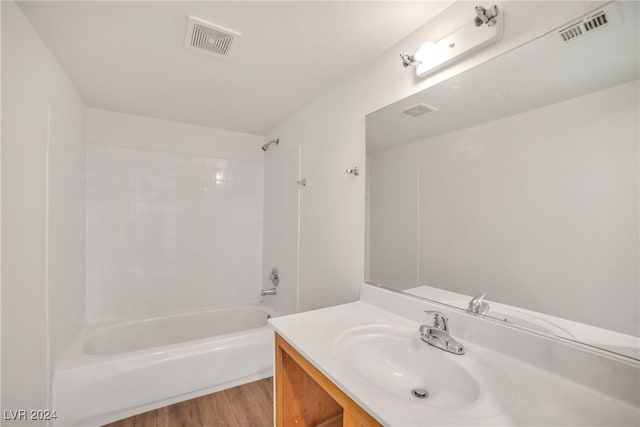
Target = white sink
(396,361)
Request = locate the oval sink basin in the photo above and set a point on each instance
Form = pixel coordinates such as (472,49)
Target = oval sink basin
(396,361)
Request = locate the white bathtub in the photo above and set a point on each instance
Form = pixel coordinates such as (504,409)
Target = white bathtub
(119,369)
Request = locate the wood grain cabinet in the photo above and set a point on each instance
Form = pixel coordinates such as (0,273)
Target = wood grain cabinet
(306,397)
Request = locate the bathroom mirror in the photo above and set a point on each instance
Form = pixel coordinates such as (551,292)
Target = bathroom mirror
(519,178)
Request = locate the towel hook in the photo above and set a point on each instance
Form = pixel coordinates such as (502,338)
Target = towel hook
(354,170)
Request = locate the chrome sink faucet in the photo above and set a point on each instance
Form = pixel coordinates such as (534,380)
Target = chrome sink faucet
(438,336)
(478,305)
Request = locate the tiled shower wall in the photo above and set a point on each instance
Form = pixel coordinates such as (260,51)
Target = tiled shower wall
(170,231)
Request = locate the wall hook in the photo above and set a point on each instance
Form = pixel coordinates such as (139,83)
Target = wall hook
(302,182)
(354,170)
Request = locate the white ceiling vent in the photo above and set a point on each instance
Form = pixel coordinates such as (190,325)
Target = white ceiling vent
(417,111)
(205,37)
(603,18)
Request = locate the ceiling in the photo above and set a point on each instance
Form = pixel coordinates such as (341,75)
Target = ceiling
(510,84)
(130,56)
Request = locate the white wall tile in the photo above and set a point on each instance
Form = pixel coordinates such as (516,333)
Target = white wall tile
(165,235)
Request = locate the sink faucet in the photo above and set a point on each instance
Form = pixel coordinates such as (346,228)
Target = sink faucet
(478,305)
(438,334)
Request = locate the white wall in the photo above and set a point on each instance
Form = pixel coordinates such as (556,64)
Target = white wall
(37,100)
(1,406)
(281,221)
(174,216)
(541,208)
(66,228)
(392,227)
(331,132)
(146,133)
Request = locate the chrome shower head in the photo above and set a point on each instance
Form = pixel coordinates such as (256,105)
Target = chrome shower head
(266,146)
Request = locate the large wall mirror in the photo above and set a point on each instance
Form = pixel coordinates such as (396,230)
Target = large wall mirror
(519,178)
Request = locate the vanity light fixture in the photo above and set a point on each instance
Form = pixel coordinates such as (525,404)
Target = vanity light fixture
(484,30)
(486,16)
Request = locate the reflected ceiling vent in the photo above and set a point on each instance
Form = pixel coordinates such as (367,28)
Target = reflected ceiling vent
(417,111)
(596,21)
(205,37)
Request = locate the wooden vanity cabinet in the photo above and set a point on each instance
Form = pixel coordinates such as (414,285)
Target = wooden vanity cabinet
(306,397)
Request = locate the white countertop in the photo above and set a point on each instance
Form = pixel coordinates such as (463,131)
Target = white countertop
(541,398)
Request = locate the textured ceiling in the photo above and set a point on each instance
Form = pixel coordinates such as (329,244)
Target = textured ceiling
(130,57)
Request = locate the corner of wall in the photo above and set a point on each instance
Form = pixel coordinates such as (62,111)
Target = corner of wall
(34,85)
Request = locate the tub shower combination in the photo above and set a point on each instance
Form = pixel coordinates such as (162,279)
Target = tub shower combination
(122,368)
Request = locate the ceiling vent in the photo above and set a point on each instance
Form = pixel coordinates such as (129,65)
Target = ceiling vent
(205,37)
(417,111)
(589,24)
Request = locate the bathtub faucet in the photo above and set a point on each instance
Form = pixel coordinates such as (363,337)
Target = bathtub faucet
(272,291)
(274,277)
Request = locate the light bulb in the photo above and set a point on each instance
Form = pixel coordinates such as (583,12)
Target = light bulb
(426,52)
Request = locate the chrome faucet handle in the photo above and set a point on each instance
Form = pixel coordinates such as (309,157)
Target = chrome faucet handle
(478,298)
(440,321)
(274,277)
(438,334)
(478,305)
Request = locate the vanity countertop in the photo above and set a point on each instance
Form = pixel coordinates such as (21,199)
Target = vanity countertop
(539,398)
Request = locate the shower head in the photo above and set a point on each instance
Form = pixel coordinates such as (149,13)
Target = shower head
(266,146)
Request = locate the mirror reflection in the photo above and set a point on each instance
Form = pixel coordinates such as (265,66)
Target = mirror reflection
(517,182)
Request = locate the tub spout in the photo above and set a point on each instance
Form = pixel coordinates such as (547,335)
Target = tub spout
(272,291)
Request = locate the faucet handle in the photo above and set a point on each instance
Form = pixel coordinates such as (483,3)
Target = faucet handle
(477,304)
(440,321)
(479,298)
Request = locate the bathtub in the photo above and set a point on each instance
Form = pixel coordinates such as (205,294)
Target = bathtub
(119,369)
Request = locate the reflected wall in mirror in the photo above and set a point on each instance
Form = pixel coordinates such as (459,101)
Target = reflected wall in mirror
(523,182)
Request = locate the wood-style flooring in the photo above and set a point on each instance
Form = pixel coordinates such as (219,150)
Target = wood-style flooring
(248,405)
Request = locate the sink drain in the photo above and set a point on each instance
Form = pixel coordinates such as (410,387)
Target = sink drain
(420,393)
